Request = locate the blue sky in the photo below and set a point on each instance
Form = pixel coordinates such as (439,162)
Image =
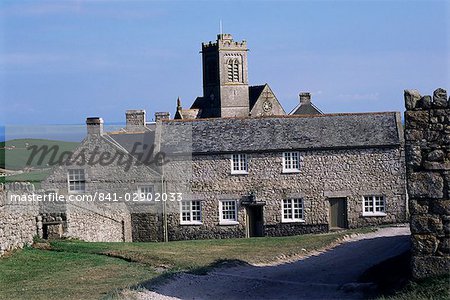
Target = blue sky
(63,61)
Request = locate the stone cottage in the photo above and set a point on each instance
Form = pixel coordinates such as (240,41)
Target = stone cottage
(236,165)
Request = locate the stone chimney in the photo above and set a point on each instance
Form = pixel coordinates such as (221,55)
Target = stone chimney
(94,126)
(305,98)
(162,116)
(135,118)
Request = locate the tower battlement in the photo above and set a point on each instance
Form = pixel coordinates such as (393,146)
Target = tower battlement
(225,41)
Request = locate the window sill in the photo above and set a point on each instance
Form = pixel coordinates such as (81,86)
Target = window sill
(191,223)
(292,221)
(76,192)
(228,223)
(374,214)
(290,171)
(239,173)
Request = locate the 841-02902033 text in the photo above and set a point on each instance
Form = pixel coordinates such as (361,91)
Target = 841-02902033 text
(96,197)
(137,197)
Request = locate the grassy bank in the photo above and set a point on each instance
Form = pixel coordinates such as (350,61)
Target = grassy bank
(436,288)
(41,274)
(80,270)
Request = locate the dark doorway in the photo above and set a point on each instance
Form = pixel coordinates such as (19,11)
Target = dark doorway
(255,220)
(338,213)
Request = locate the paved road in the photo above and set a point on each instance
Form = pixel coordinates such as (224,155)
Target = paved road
(330,275)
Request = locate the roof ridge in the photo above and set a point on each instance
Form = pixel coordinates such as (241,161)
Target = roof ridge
(283,116)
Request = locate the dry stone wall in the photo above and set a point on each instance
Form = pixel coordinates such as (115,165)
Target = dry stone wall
(427,135)
(94,223)
(18,224)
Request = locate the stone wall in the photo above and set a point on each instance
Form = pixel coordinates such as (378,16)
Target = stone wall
(147,227)
(324,174)
(96,223)
(18,224)
(427,135)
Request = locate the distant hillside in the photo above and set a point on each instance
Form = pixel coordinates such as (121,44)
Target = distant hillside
(2,133)
(14,154)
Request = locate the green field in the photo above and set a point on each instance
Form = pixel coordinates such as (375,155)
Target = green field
(16,155)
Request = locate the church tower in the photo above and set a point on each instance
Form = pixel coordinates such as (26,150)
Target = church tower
(225,78)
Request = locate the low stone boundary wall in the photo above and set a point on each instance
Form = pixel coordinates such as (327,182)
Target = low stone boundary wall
(98,223)
(21,221)
(18,224)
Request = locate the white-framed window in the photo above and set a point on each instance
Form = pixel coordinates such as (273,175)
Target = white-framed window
(292,210)
(291,162)
(239,163)
(191,212)
(145,192)
(374,205)
(228,212)
(76,181)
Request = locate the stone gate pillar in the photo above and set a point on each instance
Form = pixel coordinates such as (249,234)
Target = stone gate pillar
(427,143)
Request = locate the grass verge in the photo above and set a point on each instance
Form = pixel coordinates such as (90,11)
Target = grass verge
(81,270)
(435,288)
(394,281)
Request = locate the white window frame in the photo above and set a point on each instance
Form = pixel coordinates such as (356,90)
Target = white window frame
(145,196)
(291,155)
(191,212)
(71,179)
(242,162)
(292,211)
(223,221)
(374,204)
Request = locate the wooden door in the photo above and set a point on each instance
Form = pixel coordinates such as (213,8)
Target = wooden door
(255,221)
(338,213)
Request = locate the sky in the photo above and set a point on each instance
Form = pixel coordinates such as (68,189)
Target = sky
(63,61)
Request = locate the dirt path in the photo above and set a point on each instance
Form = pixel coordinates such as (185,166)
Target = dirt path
(329,275)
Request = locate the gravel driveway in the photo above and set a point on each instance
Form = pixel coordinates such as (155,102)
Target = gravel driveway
(330,275)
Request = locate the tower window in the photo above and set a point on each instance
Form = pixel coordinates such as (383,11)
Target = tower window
(233,70)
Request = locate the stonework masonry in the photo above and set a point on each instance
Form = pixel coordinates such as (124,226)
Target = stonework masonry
(22,221)
(18,224)
(427,135)
(348,159)
(105,221)
(350,174)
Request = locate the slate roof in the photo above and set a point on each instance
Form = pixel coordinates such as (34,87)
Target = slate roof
(253,94)
(192,113)
(306,109)
(143,141)
(198,103)
(227,135)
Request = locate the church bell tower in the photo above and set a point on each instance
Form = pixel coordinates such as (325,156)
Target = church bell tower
(225,78)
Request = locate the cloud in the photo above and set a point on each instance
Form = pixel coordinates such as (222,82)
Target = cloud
(358,97)
(26,59)
(42,8)
(76,62)
(115,10)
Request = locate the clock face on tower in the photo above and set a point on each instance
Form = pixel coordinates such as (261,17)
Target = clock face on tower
(267,106)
